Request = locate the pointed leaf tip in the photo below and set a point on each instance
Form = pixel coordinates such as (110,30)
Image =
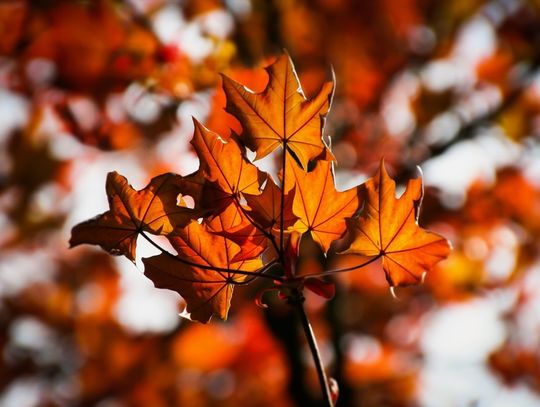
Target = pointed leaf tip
(393,292)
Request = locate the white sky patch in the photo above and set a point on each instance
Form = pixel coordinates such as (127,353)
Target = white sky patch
(192,37)
(478,103)
(143,106)
(348,179)
(528,317)
(85,111)
(240,8)
(502,260)
(142,307)
(531,163)
(397,112)
(168,21)
(115,106)
(36,338)
(174,148)
(14,111)
(456,341)
(519,396)
(62,145)
(22,393)
(198,106)
(217,23)
(192,41)
(462,385)
(440,386)
(145,6)
(268,163)
(442,128)
(468,161)
(361,348)
(446,125)
(49,200)
(476,40)
(88,176)
(40,71)
(440,75)
(463,333)
(21,268)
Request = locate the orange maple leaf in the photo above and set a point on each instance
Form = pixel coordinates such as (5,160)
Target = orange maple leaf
(280,115)
(227,172)
(321,209)
(252,240)
(266,207)
(204,272)
(261,221)
(153,209)
(388,228)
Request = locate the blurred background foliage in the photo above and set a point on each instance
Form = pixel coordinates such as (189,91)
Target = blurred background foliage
(87,87)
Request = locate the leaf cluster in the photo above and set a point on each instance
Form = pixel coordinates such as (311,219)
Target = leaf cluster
(246,225)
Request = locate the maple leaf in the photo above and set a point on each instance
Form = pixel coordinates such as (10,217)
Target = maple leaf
(204,272)
(266,207)
(153,209)
(225,168)
(321,209)
(252,240)
(281,115)
(263,220)
(388,227)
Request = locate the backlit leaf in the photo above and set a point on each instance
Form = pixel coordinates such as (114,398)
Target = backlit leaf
(389,228)
(321,209)
(281,115)
(227,171)
(206,291)
(153,209)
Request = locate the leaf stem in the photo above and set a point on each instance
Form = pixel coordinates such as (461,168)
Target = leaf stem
(335,271)
(258,273)
(282,203)
(298,302)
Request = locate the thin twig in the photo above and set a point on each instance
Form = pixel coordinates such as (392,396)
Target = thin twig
(298,304)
